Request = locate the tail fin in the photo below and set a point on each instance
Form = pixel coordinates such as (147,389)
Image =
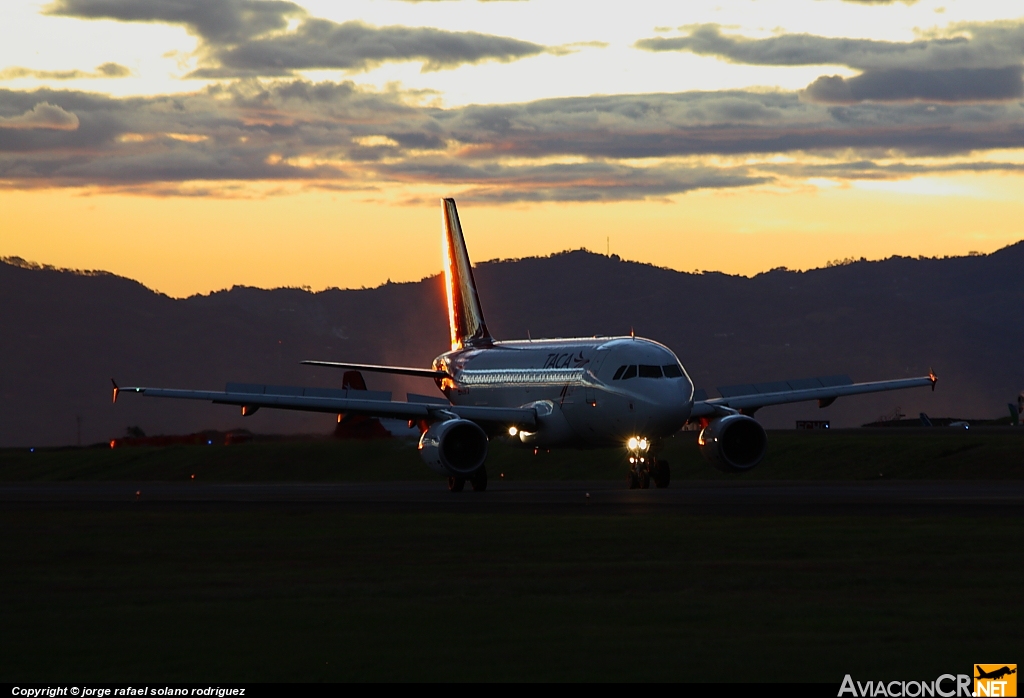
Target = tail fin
(353,380)
(465,317)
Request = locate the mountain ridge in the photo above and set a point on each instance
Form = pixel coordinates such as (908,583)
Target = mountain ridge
(65,334)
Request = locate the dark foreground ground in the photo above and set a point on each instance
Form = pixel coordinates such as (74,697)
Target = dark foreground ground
(856,454)
(591,497)
(796,579)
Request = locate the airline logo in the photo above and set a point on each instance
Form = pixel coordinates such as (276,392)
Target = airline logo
(989,680)
(995,680)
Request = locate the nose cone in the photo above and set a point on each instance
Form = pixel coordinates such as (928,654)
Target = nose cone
(684,399)
(671,401)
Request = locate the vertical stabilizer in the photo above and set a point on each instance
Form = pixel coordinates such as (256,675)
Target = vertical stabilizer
(465,318)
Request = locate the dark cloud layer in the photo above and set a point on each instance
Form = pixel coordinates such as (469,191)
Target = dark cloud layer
(218,21)
(319,43)
(242,38)
(589,181)
(989,45)
(954,85)
(724,123)
(981,62)
(337,135)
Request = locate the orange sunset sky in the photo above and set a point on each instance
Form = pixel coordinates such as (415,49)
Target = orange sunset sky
(198,144)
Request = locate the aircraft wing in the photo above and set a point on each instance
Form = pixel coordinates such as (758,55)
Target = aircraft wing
(253,397)
(398,370)
(824,394)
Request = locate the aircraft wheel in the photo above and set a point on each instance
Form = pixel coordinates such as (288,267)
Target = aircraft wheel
(455,484)
(661,475)
(633,480)
(645,479)
(479,482)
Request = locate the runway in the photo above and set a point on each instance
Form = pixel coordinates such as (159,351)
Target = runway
(759,498)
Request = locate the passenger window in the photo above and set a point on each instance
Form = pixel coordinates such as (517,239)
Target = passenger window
(630,373)
(618,373)
(650,371)
(673,371)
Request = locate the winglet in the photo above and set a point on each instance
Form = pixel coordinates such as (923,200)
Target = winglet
(465,317)
(113,398)
(934,378)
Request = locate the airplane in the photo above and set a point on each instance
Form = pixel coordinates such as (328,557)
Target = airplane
(623,391)
(995,673)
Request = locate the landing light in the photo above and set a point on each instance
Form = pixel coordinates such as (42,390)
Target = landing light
(638,444)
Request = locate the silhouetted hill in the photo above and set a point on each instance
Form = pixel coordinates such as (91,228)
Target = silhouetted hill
(64,334)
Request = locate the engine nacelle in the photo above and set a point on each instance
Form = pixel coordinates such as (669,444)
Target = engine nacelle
(733,444)
(454,447)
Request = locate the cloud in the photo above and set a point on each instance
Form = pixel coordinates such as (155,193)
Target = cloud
(588,181)
(868,169)
(970,62)
(724,123)
(319,43)
(977,45)
(294,131)
(249,37)
(954,85)
(338,135)
(112,70)
(217,21)
(107,70)
(42,116)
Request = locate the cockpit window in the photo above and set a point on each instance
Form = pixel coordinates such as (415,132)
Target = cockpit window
(647,371)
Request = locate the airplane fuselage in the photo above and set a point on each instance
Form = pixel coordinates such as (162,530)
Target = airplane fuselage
(589,392)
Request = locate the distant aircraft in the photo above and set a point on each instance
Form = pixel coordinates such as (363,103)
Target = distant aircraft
(958,424)
(546,393)
(995,673)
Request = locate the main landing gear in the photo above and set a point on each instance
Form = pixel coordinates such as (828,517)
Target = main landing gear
(478,481)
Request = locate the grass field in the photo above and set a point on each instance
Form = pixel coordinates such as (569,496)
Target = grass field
(841,455)
(307,594)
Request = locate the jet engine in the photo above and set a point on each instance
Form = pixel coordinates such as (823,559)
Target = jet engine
(454,447)
(733,444)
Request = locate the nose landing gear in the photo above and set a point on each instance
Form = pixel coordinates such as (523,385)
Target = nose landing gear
(643,468)
(639,478)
